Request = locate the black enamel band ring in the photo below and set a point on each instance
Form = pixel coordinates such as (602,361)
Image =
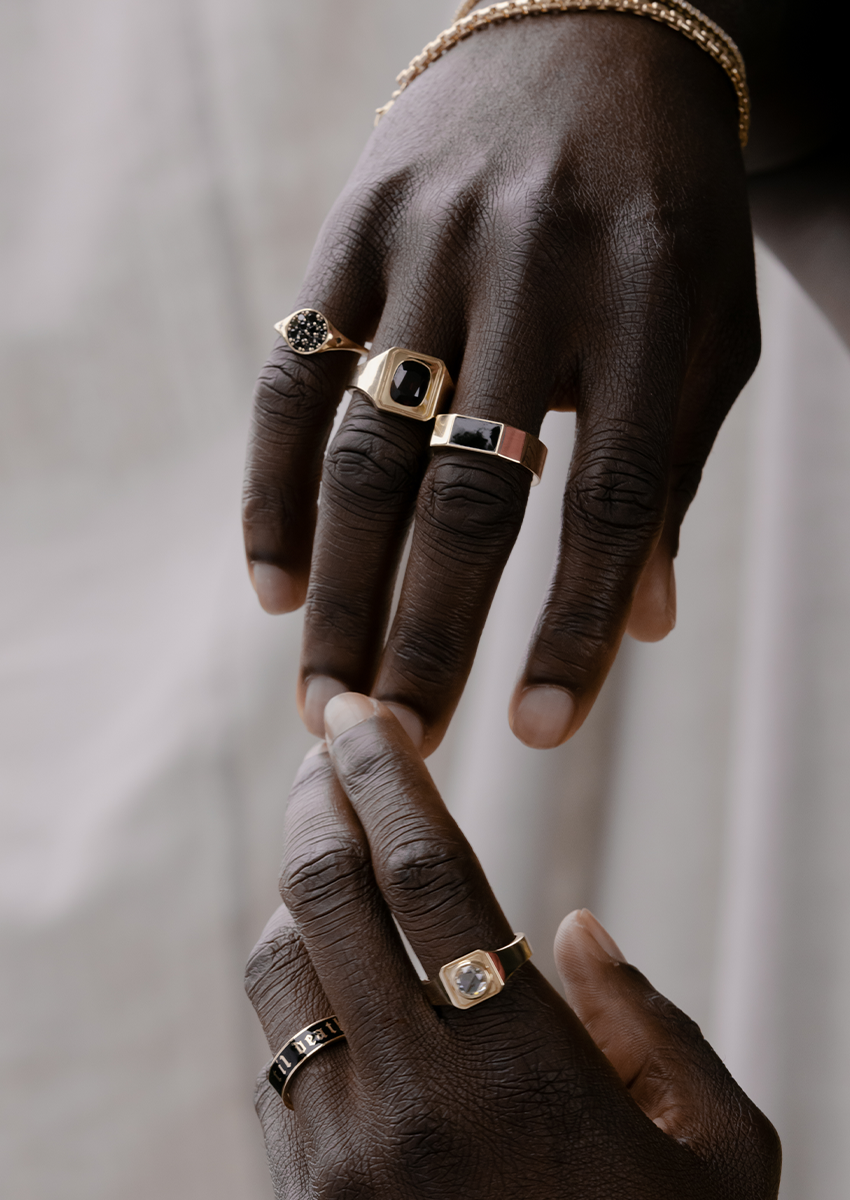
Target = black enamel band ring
(490,437)
(405,382)
(478,976)
(308,331)
(298,1049)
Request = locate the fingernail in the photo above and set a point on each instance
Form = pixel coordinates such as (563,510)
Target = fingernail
(320,689)
(277,591)
(347,710)
(543,716)
(600,935)
(409,721)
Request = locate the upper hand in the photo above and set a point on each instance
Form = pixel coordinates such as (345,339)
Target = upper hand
(557,209)
(614,1095)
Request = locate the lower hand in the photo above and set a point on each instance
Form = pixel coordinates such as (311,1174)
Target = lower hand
(614,1094)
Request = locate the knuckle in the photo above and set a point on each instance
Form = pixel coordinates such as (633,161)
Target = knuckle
(480,505)
(338,613)
(322,876)
(269,504)
(617,490)
(370,462)
(285,398)
(421,866)
(576,639)
(370,206)
(432,656)
(273,957)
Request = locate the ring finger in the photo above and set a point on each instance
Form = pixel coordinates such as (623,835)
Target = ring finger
(287,996)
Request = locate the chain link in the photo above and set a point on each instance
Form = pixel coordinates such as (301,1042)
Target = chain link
(677,14)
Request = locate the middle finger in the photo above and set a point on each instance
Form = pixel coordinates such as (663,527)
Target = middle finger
(371,477)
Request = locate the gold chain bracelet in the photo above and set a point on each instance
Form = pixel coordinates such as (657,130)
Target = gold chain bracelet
(678,14)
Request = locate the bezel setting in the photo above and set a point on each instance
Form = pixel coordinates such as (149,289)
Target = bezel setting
(375,379)
(482,960)
(306,341)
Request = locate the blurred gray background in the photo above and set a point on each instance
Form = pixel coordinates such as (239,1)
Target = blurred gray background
(165,169)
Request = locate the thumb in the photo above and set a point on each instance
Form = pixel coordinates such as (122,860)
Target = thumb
(659,1053)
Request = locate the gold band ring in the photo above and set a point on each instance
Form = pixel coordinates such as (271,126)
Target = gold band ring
(298,1049)
(478,976)
(405,382)
(307,331)
(490,437)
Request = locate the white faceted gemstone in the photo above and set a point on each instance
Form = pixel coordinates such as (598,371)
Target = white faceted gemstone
(471,980)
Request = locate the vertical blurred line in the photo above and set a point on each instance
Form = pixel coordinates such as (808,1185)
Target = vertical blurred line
(748,1003)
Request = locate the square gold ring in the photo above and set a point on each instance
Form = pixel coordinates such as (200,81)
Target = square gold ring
(406,383)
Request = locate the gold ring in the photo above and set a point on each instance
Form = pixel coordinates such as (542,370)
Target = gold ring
(307,331)
(298,1049)
(478,976)
(491,437)
(405,382)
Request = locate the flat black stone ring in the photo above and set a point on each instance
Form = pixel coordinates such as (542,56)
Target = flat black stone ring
(477,976)
(490,437)
(405,382)
(308,331)
(298,1049)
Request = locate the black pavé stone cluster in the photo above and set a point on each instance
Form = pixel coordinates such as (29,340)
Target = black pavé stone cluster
(306,331)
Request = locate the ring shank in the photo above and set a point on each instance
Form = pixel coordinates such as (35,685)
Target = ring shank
(301,1047)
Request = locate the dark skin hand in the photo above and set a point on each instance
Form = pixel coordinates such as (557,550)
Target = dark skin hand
(614,1094)
(558,210)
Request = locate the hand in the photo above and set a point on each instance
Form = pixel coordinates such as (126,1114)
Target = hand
(557,209)
(614,1095)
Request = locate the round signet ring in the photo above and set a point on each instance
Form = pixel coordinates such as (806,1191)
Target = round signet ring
(308,331)
(292,1056)
(477,976)
(490,437)
(405,382)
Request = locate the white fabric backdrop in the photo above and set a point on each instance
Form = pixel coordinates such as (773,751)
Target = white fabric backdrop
(158,204)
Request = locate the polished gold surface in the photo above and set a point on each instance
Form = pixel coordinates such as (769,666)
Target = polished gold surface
(495,967)
(512,444)
(332,340)
(677,14)
(375,380)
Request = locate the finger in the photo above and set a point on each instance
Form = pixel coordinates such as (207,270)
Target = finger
(613,514)
(423,865)
(288,1164)
(372,474)
(294,405)
(281,982)
(285,991)
(653,611)
(328,885)
(659,1053)
(468,515)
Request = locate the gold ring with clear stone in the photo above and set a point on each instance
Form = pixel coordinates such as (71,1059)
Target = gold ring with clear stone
(478,976)
(406,383)
(308,331)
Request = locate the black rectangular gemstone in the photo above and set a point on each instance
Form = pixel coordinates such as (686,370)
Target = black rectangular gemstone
(410,383)
(477,435)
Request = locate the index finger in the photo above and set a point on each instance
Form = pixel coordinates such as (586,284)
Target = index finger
(295,401)
(425,868)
